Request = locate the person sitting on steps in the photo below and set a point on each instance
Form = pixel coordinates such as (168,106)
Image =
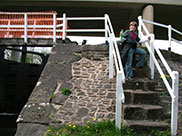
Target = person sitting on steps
(130,48)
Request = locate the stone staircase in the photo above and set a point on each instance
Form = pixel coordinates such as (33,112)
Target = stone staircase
(143,109)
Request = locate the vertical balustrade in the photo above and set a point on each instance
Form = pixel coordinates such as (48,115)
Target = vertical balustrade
(111,48)
(106,28)
(151,54)
(54,28)
(119,91)
(169,36)
(64,27)
(174,105)
(25,28)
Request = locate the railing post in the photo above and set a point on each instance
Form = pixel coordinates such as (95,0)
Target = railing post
(54,28)
(169,36)
(139,26)
(151,54)
(9,23)
(174,112)
(111,48)
(106,28)
(64,26)
(119,90)
(25,28)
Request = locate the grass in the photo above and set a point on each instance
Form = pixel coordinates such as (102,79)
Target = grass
(105,128)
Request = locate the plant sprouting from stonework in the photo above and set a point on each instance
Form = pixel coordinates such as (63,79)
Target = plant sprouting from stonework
(54,62)
(66,91)
(64,62)
(52,96)
(52,116)
(181,115)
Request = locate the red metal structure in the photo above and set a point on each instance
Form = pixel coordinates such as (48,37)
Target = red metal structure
(37,24)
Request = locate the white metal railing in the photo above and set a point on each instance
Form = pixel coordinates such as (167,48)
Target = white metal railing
(170,30)
(68,19)
(173,90)
(120,76)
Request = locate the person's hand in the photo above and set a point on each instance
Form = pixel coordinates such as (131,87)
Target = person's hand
(121,33)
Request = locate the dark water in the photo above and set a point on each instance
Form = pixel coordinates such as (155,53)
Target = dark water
(8,124)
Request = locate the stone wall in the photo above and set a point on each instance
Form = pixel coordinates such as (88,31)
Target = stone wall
(46,101)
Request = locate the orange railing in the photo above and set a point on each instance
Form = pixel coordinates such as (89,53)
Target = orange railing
(38,24)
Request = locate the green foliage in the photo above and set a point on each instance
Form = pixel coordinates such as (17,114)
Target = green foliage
(54,62)
(52,96)
(164,93)
(35,59)
(66,91)
(105,128)
(64,62)
(160,133)
(52,116)
(181,115)
(127,131)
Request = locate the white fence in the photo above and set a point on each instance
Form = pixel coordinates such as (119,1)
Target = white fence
(173,90)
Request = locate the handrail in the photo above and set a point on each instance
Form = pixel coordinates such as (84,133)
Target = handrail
(64,30)
(120,78)
(116,49)
(173,90)
(170,29)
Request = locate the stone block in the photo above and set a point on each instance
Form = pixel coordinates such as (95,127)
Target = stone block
(57,71)
(35,113)
(43,90)
(29,129)
(142,112)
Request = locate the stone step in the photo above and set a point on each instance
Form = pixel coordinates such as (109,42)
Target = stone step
(141,72)
(141,97)
(165,98)
(140,83)
(160,89)
(146,126)
(142,112)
